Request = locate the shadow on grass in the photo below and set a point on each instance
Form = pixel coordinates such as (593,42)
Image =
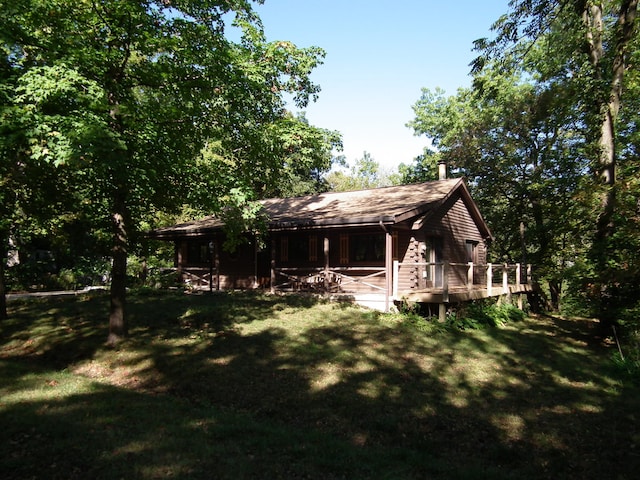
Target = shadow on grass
(264,387)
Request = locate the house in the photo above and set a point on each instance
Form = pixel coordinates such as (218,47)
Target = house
(422,243)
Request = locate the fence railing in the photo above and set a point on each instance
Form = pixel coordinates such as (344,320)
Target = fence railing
(496,278)
(326,279)
(444,278)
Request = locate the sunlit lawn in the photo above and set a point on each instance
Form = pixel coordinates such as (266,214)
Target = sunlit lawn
(251,386)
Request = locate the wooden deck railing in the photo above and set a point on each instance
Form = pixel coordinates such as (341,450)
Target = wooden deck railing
(497,279)
(449,281)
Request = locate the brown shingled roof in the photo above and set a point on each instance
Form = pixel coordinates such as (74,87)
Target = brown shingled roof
(389,205)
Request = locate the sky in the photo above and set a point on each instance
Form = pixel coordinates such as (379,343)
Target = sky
(379,55)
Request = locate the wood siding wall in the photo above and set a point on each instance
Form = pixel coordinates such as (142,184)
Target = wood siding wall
(451,230)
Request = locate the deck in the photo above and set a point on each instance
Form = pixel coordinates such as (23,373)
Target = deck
(463,294)
(372,287)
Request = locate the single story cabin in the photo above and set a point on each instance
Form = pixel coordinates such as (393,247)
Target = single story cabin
(423,243)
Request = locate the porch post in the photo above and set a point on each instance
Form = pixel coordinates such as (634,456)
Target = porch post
(272,280)
(396,280)
(211,262)
(388,269)
(325,249)
(217,267)
(255,261)
(178,256)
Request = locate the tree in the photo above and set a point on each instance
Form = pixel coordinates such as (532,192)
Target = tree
(289,157)
(424,168)
(589,47)
(522,162)
(364,173)
(135,95)
(32,189)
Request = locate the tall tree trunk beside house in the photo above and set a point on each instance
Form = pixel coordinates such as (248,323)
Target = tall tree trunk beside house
(587,46)
(118,327)
(606,107)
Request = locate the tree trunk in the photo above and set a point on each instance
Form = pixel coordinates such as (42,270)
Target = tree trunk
(555,290)
(117,315)
(607,109)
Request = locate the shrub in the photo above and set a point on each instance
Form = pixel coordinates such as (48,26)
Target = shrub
(485,313)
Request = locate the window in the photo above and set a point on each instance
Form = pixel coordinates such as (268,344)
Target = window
(427,254)
(344,249)
(313,248)
(198,253)
(284,249)
(367,248)
(299,248)
(472,251)
(432,254)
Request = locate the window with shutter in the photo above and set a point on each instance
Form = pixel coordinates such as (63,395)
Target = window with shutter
(344,249)
(313,248)
(284,249)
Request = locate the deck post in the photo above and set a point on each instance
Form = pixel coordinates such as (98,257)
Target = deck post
(442,313)
(442,308)
(470,276)
(529,275)
(489,279)
(445,282)
(520,301)
(396,280)
(505,279)
(388,269)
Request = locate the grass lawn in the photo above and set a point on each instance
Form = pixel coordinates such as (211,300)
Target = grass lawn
(248,386)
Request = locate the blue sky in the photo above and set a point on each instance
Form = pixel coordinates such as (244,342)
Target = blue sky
(379,56)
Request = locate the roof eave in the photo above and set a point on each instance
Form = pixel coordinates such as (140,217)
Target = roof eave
(281,226)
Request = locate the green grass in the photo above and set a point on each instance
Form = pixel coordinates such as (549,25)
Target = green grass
(250,386)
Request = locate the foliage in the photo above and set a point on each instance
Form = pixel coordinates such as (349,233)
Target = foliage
(523,166)
(424,168)
(365,173)
(474,315)
(627,358)
(547,140)
(585,49)
(412,319)
(148,105)
(482,314)
(41,275)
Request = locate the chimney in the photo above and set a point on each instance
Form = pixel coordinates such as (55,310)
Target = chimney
(442,170)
